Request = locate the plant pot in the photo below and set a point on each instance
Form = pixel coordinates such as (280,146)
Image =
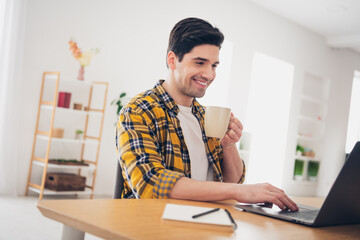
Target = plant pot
(313,169)
(299,169)
(79,136)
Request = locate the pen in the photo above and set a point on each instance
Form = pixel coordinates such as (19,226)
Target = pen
(205,213)
(231,219)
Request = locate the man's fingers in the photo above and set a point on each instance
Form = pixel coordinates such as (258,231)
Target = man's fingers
(236,121)
(235,129)
(272,199)
(280,196)
(286,202)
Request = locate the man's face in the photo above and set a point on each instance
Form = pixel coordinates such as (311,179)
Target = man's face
(196,71)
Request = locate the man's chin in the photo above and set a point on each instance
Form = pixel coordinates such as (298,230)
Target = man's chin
(199,94)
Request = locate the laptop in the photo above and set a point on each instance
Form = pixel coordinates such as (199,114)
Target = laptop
(341,206)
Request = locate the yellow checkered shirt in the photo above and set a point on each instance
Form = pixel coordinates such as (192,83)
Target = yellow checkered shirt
(151,148)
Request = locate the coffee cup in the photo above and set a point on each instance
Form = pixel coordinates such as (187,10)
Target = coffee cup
(217,121)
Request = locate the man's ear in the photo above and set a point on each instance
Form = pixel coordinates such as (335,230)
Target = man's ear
(171,60)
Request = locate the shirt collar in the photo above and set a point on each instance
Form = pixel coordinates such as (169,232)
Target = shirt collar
(170,103)
(165,97)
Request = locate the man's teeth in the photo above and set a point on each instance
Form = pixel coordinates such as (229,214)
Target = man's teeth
(201,83)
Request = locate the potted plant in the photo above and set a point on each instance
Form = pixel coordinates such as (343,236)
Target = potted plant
(299,150)
(298,169)
(313,169)
(79,134)
(118,102)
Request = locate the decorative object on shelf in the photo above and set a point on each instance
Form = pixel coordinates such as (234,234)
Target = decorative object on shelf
(308,152)
(64,99)
(86,109)
(77,106)
(313,168)
(299,169)
(68,162)
(299,150)
(84,58)
(57,133)
(79,134)
(65,182)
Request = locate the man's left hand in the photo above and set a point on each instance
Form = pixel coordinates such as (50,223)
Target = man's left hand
(233,133)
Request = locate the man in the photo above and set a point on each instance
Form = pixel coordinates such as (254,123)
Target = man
(161,142)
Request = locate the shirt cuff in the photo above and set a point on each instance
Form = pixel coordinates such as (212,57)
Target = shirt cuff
(165,183)
(242,179)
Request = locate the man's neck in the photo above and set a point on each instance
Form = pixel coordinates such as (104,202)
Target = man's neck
(178,97)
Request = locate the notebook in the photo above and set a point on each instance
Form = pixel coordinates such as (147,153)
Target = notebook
(341,206)
(183,215)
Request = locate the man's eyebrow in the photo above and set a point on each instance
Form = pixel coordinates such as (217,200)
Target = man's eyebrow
(203,59)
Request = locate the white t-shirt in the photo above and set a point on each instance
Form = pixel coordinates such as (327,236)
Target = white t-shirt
(200,168)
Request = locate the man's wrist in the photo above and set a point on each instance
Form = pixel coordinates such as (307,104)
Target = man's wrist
(230,190)
(229,147)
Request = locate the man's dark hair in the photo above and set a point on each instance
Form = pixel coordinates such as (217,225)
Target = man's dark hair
(192,32)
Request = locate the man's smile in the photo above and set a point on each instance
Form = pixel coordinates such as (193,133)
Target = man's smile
(201,83)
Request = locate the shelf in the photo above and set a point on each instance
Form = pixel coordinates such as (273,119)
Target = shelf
(68,140)
(311,119)
(306,138)
(83,93)
(312,99)
(69,110)
(58,166)
(306,158)
(50,192)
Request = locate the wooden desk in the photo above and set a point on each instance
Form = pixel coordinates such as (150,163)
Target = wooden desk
(141,219)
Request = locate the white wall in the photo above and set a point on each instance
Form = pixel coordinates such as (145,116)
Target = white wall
(132,36)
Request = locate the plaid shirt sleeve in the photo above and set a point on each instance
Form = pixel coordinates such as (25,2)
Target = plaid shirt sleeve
(242,179)
(140,158)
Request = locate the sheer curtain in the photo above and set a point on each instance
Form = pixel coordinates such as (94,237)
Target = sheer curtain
(11,47)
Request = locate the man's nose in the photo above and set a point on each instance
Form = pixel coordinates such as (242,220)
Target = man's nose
(208,74)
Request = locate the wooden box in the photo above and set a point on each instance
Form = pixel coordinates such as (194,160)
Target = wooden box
(65,182)
(77,106)
(58,133)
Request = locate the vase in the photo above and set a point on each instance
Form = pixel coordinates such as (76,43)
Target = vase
(81,73)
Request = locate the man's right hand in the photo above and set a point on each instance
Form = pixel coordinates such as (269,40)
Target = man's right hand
(262,193)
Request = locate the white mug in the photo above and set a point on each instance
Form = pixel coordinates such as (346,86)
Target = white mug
(217,121)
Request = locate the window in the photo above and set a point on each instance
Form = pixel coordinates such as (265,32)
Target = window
(267,118)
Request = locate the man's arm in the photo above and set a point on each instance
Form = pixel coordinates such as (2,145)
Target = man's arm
(139,157)
(233,170)
(186,188)
(232,165)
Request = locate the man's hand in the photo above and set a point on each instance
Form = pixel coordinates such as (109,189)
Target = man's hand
(262,193)
(234,132)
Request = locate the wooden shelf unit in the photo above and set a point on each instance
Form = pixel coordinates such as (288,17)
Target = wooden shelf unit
(46,136)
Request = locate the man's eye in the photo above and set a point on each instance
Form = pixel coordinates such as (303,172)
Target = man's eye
(199,63)
(214,66)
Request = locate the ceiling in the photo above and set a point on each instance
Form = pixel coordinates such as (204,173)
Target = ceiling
(337,20)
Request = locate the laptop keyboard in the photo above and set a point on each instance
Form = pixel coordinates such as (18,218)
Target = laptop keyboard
(305,214)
